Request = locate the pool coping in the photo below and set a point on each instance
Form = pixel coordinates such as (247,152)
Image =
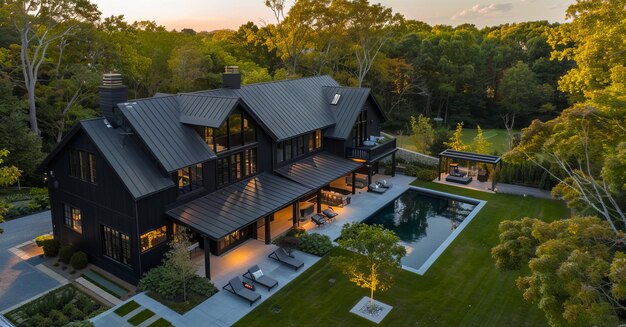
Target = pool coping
(435,255)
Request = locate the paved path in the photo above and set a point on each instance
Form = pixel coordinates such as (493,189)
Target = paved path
(19,279)
(523,190)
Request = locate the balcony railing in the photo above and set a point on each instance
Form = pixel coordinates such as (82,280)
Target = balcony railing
(369,153)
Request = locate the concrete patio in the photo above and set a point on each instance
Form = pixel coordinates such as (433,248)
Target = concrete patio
(224,308)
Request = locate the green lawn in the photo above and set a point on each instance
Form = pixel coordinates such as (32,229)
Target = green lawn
(497,137)
(462,288)
(126,308)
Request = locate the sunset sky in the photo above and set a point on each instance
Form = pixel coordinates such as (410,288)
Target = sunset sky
(218,14)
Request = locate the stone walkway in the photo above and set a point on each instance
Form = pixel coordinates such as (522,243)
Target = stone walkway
(523,191)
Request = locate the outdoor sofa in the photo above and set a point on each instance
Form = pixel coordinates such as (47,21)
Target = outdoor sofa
(458,179)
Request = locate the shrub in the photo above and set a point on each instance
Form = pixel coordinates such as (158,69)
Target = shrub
(51,248)
(65,253)
(289,243)
(39,199)
(39,240)
(79,260)
(316,244)
(202,286)
(421,172)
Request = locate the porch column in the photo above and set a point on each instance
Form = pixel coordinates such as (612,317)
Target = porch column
(268,234)
(493,178)
(207,257)
(319,200)
(354,182)
(439,171)
(369,175)
(393,164)
(296,213)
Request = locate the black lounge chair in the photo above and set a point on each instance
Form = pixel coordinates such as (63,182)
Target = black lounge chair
(384,183)
(262,280)
(236,287)
(377,189)
(330,213)
(281,256)
(318,219)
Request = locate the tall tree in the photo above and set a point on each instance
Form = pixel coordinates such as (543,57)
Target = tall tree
(42,24)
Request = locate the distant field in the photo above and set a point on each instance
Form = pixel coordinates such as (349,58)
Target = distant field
(497,138)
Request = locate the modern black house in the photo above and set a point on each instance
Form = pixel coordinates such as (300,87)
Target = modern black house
(224,165)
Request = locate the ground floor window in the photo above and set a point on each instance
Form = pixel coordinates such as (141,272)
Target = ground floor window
(116,245)
(153,238)
(232,239)
(72,218)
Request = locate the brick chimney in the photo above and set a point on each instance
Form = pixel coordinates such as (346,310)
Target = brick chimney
(112,92)
(231,79)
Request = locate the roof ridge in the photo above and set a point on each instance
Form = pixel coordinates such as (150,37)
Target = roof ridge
(208,95)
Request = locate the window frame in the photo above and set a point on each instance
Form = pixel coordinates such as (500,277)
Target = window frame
(163,240)
(120,247)
(69,213)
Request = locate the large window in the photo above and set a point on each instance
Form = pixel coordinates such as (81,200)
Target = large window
(83,165)
(298,146)
(72,218)
(236,166)
(359,131)
(116,245)
(153,238)
(189,179)
(237,130)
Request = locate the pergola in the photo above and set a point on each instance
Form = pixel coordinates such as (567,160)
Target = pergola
(472,157)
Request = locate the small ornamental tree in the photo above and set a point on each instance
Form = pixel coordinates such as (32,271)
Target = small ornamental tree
(178,266)
(422,133)
(481,145)
(378,255)
(455,142)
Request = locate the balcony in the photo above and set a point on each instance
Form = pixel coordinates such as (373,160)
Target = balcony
(371,153)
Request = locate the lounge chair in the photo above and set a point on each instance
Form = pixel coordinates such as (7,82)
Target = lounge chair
(377,189)
(281,256)
(256,275)
(318,219)
(384,183)
(330,213)
(235,286)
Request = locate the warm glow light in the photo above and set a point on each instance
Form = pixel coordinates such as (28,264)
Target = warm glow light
(358,160)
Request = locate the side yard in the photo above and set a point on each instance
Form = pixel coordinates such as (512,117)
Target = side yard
(462,288)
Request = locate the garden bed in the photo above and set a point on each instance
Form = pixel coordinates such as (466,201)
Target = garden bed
(105,284)
(178,305)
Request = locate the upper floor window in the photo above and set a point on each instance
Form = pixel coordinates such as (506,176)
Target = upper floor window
(189,178)
(298,146)
(237,130)
(83,165)
(72,218)
(359,131)
(236,166)
(153,238)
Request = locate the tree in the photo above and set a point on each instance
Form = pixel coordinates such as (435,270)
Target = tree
(577,268)
(9,175)
(455,142)
(481,145)
(178,266)
(188,64)
(423,134)
(42,25)
(378,254)
(519,92)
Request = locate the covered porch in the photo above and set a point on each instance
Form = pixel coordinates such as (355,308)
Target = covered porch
(469,170)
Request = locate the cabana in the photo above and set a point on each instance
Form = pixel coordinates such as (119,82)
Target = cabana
(459,177)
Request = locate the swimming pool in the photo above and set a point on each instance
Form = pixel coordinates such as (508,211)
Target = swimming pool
(426,222)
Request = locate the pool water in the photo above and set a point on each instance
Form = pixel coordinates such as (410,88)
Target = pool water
(422,221)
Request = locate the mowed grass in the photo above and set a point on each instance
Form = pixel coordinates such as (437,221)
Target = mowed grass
(462,288)
(497,137)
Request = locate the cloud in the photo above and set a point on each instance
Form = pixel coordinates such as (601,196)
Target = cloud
(484,10)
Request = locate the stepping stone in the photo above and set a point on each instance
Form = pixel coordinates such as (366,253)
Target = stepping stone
(149,321)
(134,312)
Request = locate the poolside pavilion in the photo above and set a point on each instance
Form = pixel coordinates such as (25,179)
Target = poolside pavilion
(455,174)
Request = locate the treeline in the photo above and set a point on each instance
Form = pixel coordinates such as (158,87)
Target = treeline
(53,53)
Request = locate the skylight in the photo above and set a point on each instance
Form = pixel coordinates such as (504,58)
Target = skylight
(335,99)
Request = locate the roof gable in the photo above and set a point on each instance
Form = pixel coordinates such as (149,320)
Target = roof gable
(156,122)
(286,108)
(204,110)
(346,110)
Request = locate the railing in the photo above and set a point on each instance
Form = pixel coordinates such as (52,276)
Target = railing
(369,153)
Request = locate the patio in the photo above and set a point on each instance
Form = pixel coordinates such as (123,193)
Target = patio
(475,184)
(224,308)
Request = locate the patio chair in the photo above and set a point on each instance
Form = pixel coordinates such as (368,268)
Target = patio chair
(377,189)
(330,213)
(384,183)
(318,219)
(281,256)
(256,275)
(235,286)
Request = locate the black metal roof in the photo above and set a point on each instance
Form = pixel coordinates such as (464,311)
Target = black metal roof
(350,103)
(286,108)
(474,157)
(204,110)
(318,170)
(156,122)
(238,205)
(127,158)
